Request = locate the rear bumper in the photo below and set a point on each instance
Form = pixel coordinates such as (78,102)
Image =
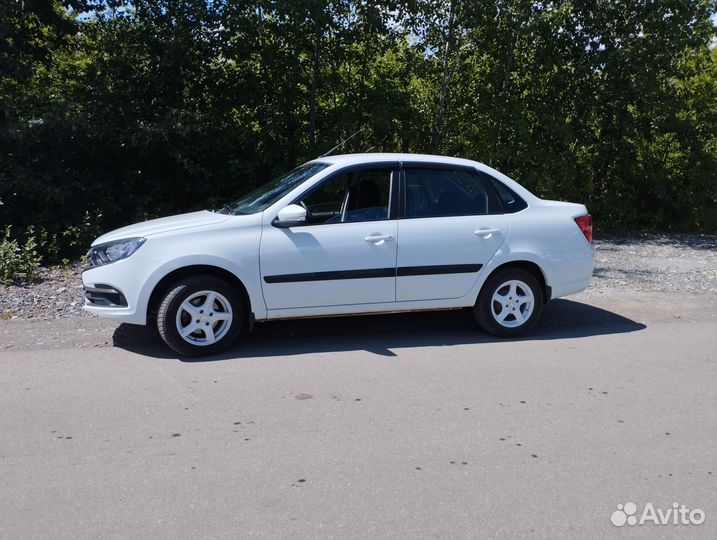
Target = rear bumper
(572,287)
(572,272)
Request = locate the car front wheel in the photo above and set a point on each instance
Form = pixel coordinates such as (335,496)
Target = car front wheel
(200,315)
(509,303)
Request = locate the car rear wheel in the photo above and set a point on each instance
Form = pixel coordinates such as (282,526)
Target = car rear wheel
(200,315)
(509,303)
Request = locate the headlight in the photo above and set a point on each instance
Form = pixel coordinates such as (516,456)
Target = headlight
(113,251)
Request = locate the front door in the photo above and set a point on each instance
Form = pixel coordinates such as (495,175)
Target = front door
(345,253)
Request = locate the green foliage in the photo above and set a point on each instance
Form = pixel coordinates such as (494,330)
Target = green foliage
(79,237)
(17,261)
(135,110)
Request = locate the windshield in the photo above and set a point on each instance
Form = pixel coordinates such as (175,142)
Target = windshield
(262,197)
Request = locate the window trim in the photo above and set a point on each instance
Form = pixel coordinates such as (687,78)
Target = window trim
(393,195)
(490,191)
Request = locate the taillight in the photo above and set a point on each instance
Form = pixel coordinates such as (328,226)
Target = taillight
(586,225)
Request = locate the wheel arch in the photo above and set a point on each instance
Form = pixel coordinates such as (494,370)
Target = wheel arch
(192,270)
(529,266)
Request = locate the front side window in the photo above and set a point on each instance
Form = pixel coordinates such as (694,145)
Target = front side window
(362,195)
(443,192)
(326,201)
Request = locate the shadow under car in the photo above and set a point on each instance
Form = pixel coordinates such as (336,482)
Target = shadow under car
(379,334)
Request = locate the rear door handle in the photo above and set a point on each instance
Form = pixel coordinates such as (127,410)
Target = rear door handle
(484,232)
(378,238)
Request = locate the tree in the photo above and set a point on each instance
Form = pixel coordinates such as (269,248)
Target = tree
(130,110)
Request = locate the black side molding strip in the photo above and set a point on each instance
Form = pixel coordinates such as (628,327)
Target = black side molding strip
(439,269)
(328,276)
(375,273)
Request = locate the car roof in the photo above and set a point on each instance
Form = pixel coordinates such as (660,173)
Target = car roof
(358,159)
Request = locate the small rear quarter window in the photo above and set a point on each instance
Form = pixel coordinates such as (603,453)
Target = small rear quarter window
(510,200)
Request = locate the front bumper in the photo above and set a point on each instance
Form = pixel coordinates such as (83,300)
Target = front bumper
(102,295)
(117,291)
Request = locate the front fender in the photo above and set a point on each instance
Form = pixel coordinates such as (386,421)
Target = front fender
(248,275)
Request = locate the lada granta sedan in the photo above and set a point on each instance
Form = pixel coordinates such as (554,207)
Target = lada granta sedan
(347,234)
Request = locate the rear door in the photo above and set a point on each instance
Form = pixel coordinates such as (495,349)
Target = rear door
(450,225)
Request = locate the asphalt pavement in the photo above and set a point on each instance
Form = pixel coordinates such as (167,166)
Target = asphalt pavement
(386,427)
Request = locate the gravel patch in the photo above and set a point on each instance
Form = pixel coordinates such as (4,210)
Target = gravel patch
(55,294)
(667,263)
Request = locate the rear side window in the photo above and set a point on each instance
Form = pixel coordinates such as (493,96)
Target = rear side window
(444,192)
(511,202)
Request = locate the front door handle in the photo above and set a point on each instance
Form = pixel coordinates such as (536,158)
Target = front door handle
(486,233)
(378,238)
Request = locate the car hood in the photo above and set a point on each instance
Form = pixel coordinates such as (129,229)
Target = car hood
(162,225)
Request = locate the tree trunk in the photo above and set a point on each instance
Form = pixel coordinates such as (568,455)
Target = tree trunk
(314,82)
(437,137)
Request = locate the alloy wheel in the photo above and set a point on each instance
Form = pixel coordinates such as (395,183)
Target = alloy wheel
(204,318)
(512,303)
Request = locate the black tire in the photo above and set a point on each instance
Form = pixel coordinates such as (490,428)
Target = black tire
(485,308)
(228,304)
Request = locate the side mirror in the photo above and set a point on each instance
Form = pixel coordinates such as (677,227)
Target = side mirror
(290,216)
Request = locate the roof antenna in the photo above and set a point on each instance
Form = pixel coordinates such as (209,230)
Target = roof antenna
(341,144)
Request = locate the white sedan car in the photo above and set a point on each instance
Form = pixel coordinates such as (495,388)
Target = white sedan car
(348,234)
